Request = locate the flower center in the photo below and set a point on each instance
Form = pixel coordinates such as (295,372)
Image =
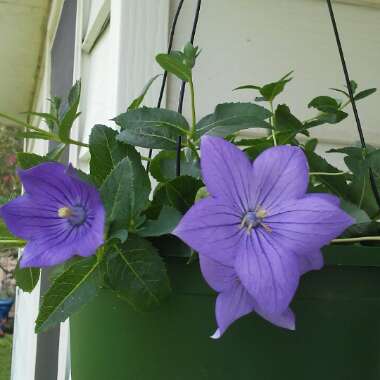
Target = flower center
(76,215)
(253,219)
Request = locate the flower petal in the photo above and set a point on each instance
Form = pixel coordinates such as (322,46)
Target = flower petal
(307,224)
(212,228)
(268,272)
(219,276)
(285,320)
(49,252)
(25,217)
(279,174)
(310,260)
(231,305)
(226,171)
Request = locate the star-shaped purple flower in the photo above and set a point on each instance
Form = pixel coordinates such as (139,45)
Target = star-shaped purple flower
(59,215)
(259,231)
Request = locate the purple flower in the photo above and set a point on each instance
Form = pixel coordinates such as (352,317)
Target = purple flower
(59,215)
(259,231)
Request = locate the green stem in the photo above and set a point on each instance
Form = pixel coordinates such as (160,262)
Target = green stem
(144,158)
(74,142)
(322,173)
(358,239)
(273,123)
(23,124)
(192,146)
(193,116)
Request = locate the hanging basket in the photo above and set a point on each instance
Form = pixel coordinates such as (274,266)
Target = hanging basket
(337,336)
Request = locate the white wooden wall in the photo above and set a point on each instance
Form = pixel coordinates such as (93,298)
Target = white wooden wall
(243,41)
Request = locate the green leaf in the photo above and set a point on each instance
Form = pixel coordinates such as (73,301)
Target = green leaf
(8,240)
(336,184)
(353,86)
(248,87)
(163,166)
(106,152)
(286,121)
(71,290)
(50,119)
(137,273)
(360,191)
(191,53)
(325,104)
(151,128)
(363,94)
(357,213)
(71,114)
(137,102)
(201,194)
(311,144)
(178,193)
(28,160)
(175,63)
(125,192)
(271,90)
(166,222)
(229,118)
(26,278)
(257,146)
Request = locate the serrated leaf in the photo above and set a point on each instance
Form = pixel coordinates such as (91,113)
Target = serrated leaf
(71,114)
(175,63)
(26,278)
(28,160)
(125,192)
(178,193)
(256,146)
(166,222)
(151,128)
(163,166)
(137,102)
(271,90)
(137,273)
(336,184)
(229,118)
(285,120)
(325,104)
(71,290)
(106,152)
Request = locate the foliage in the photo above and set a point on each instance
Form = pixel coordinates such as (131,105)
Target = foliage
(131,263)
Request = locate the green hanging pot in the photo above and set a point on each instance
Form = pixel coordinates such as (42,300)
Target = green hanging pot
(337,336)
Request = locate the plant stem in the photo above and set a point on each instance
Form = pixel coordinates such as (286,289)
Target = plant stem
(322,173)
(144,158)
(23,124)
(74,142)
(358,239)
(273,123)
(193,116)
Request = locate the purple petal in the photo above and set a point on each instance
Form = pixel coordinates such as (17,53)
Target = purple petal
(285,320)
(328,197)
(307,224)
(280,174)
(49,252)
(226,171)
(231,305)
(211,227)
(219,276)
(268,272)
(25,217)
(310,260)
